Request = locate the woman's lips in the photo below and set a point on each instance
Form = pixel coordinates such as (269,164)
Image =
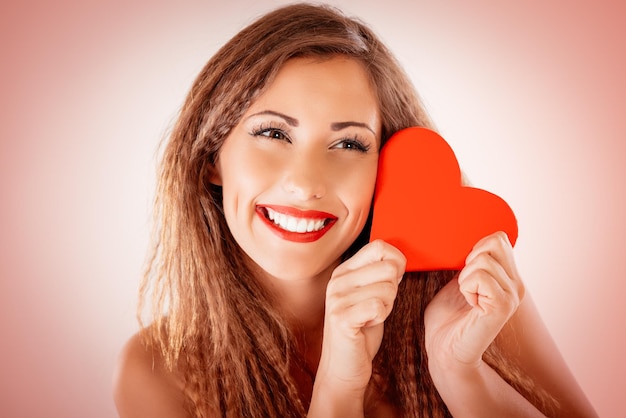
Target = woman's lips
(294,224)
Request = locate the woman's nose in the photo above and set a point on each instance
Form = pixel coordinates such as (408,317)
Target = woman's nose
(305,178)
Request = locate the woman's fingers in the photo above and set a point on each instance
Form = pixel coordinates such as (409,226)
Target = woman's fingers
(374,252)
(492,290)
(490,274)
(499,247)
(362,290)
(359,297)
(484,279)
(374,272)
(369,305)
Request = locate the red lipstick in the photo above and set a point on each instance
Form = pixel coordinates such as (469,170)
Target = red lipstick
(311,215)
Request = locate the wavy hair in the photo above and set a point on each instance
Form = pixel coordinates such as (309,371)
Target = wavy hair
(211,319)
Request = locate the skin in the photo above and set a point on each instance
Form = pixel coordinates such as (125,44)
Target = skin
(338,310)
(287,150)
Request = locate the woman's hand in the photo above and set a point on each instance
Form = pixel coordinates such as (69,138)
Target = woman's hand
(465,317)
(359,297)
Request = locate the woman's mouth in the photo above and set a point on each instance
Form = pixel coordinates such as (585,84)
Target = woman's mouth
(294,224)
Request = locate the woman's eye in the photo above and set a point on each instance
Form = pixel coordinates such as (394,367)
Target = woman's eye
(353,144)
(273,134)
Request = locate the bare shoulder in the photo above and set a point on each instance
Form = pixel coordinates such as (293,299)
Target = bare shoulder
(527,340)
(142,385)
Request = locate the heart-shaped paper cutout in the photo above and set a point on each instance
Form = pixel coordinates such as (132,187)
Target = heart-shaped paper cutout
(422,208)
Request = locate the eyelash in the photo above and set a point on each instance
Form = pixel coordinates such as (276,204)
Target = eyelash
(356,144)
(265,130)
(268,130)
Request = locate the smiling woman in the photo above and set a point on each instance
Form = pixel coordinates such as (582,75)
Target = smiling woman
(268,299)
(312,157)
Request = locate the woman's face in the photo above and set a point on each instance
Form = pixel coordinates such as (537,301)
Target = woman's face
(298,171)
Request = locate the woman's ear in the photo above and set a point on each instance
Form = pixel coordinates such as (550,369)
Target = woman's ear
(211,174)
(214,176)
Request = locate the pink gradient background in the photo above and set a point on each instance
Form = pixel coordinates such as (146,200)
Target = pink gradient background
(531,97)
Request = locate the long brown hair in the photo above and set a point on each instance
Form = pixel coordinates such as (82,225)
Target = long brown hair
(212,321)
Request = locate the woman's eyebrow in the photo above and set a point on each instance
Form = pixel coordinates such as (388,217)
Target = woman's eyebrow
(290,121)
(337,126)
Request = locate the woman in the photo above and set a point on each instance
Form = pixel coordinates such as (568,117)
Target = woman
(267,298)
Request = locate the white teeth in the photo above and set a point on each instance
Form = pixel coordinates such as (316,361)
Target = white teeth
(301,225)
(282,221)
(293,224)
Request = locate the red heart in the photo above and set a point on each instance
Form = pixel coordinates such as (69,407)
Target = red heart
(421,207)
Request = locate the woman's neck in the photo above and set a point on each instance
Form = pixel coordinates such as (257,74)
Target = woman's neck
(301,301)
